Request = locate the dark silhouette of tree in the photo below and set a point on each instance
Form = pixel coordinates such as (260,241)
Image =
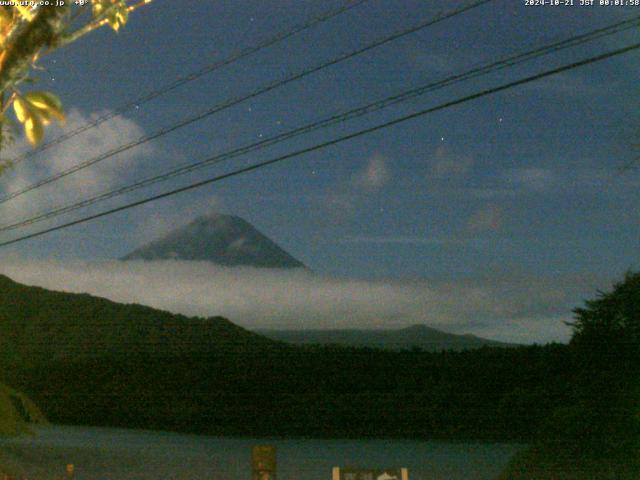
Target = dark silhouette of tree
(610,324)
(595,433)
(607,343)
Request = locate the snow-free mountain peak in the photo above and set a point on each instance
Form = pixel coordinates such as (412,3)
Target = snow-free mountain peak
(221,239)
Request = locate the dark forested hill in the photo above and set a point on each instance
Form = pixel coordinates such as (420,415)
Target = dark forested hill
(86,360)
(414,337)
(41,324)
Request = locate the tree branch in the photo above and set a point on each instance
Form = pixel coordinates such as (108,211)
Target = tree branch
(73,36)
(42,32)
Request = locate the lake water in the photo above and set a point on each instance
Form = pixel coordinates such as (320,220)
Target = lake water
(114,454)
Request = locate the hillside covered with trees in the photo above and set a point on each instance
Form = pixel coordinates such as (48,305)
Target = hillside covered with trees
(89,361)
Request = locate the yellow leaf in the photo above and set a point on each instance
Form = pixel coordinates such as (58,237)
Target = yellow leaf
(5,18)
(123,14)
(44,116)
(99,6)
(113,23)
(24,11)
(22,109)
(33,129)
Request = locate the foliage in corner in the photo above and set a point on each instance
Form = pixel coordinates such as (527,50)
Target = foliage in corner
(596,432)
(607,341)
(27,33)
(17,412)
(612,318)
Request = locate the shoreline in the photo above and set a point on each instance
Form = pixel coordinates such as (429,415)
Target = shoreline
(122,454)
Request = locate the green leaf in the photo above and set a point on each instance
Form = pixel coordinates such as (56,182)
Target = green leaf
(47,104)
(45,100)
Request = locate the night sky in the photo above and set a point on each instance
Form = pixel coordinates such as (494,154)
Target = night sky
(527,184)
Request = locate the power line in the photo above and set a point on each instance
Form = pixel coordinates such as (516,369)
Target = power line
(506,62)
(235,101)
(182,80)
(335,141)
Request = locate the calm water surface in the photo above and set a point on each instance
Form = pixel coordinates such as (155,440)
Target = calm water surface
(101,453)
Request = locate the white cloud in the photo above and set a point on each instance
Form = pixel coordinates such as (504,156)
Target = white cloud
(397,240)
(156,221)
(505,307)
(101,176)
(338,205)
(447,165)
(532,178)
(344,199)
(511,183)
(374,176)
(523,330)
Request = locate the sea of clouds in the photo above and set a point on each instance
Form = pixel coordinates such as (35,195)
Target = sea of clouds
(507,307)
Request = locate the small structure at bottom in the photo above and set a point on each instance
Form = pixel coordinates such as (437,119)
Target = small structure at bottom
(349,473)
(263,462)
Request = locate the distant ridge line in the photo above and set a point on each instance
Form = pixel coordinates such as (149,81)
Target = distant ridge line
(421,337)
